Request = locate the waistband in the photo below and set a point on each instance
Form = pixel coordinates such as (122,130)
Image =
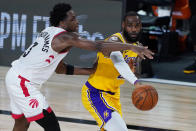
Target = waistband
(18,73)
(97,90)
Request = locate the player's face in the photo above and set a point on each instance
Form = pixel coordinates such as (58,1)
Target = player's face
(131,28)
(71,23)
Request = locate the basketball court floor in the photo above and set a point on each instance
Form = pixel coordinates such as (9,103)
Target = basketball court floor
(176,108)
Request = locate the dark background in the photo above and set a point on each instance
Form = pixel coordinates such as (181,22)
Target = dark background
(98,18)
(101,17)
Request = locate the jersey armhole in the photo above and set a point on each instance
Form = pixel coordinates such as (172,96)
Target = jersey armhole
(54,38)
(114,38)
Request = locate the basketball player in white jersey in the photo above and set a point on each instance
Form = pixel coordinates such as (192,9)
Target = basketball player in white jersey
(41,59)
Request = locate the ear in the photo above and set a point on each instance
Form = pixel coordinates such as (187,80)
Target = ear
(123,24)
(62,24)
(140,25)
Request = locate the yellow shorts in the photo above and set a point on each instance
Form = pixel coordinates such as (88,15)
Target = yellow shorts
(100,104)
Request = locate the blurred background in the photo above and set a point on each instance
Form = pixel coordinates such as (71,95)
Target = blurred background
(168,30)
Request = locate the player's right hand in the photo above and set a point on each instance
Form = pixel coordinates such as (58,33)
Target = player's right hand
(138,84)
(143,52)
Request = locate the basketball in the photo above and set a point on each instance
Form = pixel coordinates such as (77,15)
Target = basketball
(145,97)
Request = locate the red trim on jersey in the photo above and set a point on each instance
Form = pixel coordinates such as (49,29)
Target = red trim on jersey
(22,85)
(17,116)
(56,36)
(65,50)
(59,34)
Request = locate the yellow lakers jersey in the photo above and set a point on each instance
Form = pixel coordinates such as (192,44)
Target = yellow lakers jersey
(106,76)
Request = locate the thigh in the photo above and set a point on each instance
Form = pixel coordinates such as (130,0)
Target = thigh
(15,111)
(12,87)
(97,105)
(25,97)
(113,101)
(88,104)
(33,105)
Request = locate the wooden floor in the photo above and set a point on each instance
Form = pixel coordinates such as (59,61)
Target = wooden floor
(176,109)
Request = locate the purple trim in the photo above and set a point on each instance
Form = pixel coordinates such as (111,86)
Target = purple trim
(99,104)
(136,82)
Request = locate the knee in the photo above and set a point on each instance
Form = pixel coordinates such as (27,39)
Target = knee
(27,124)
(22,122)
(49,122)
(116,123)
(49,125)
(115,128)
(54,126)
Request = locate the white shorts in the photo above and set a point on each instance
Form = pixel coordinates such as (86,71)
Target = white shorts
(25,97)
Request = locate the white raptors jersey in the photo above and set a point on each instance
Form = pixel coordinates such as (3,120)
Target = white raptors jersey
(39,61)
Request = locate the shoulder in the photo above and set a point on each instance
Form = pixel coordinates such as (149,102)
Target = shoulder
(138,43)
(67,35)
(114,38)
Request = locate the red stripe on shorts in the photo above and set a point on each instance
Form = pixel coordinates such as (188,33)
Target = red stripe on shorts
(22,85)
(16,116)
(39,116)
(34,118)
(49,110)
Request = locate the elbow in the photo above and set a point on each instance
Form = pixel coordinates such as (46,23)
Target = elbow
(60,70)
(57,71)
(92,71)
(101,48)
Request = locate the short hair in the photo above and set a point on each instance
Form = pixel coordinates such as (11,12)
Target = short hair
(130,13)
(59,13)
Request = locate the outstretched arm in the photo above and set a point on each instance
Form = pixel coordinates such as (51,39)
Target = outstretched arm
(63,68)
(67,39)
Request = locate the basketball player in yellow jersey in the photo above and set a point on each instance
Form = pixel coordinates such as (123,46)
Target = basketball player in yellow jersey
(101,93)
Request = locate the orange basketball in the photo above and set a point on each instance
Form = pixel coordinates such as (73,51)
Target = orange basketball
(145,97)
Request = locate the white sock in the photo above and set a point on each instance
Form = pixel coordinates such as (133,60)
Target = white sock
(116,123)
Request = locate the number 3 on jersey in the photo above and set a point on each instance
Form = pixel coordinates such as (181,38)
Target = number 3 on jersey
(29,49)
